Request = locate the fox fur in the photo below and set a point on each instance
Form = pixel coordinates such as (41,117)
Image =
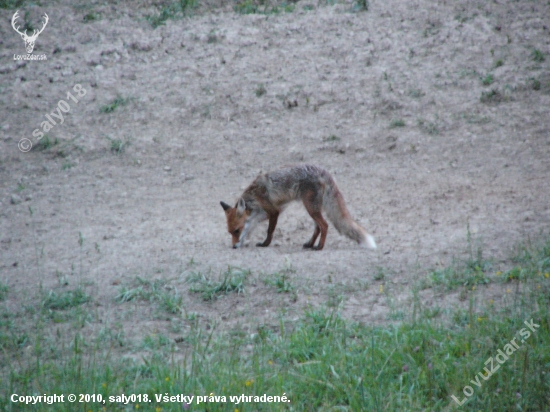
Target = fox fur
(269,193)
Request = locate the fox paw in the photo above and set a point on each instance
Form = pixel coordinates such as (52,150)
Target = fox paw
(262,244)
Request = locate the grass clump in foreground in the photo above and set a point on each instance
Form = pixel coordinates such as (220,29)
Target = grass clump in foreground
(319,361)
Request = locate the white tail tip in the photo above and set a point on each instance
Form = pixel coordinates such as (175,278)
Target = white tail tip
(370,242)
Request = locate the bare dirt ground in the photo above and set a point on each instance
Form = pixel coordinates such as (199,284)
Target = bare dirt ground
(396,102)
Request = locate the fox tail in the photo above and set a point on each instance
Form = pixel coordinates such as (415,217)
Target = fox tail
(337,212)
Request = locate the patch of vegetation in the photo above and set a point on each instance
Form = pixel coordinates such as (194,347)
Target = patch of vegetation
(46,143)
(67,165)
(173,10)
(212,37)
(11,4)
(474,119)
(157,291)
(316,360)
(416,93)
(380,274)
(263,7)
(499,63)
(428,127)
(65,300)
(90,17)
(397,123)
(260,90)
(3,291)
(117,146)
(470,273)
(331,138)
(232,280)
(487,80)
(111,107)
(535,84)
(155,341)
(362,5)
(280,281)
(492,96)
(538,56)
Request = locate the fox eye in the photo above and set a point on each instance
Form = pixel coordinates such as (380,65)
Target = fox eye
(237,231)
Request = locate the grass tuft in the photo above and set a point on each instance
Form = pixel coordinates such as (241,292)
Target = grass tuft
(397,123)
(158,291)
(492,96)
(65,300)
(487,80)
(538,56)
(117,102)
(173,11)
(232,280)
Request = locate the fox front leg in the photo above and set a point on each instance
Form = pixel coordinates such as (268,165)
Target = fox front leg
(271,228)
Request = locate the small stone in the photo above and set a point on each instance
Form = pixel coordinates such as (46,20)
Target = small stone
(167,168)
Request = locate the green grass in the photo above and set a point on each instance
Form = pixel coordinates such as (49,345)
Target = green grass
(173,10)
(416,93)
(262,7)
(260,90)
(397,123)
(492,96)
(280,281)
(11,4)
(362,5)
(428,127)
(118,146)
(46,143)
(232,280)
(158,291)
(91,17)
(538,56)
(487,80)
(4,289)
(65,300)
(317,359)
(117,102)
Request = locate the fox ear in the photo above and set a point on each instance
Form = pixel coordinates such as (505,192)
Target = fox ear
(241,206)
(225,205)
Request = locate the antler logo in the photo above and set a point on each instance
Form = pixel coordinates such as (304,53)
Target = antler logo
(29,40)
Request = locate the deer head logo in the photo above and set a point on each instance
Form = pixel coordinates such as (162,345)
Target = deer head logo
(29,40)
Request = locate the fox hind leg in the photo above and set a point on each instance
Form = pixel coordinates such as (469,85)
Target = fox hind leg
(313,207)
(311,242)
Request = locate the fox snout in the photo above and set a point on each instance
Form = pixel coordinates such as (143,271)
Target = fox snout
(236,218)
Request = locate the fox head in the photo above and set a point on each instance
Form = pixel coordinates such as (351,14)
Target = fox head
(236,218)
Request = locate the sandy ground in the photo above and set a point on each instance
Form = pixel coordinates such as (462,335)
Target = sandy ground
(388,100)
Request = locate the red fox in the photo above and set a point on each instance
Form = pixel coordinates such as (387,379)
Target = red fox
(268,194)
